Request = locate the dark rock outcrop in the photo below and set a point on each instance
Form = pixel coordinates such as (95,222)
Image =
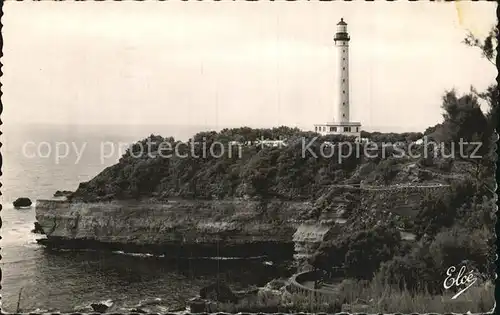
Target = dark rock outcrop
(219,292)
(63,193)
(156,306)
(97,307)
(151,306)
(136,310)
(22,202)
(38,229)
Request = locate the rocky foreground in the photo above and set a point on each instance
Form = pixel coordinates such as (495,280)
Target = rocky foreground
(212,298)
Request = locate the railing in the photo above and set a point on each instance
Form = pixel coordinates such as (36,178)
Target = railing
(390,187)
(295,286)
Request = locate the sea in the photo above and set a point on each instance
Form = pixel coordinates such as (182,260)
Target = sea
(38,160)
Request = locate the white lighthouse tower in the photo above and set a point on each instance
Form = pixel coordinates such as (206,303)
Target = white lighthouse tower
(342,124)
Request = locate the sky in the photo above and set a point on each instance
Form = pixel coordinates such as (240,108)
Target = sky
(225,64)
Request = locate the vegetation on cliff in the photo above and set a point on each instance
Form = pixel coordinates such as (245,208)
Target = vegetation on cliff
(250,170)
(453,227)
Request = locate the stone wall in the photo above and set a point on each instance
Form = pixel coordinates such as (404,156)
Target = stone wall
(296,285)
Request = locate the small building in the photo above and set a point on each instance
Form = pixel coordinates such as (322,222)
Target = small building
(271,143)
(419,141)
(339,128)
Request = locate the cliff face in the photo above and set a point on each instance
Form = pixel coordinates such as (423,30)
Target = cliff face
(308,237)
(242,228)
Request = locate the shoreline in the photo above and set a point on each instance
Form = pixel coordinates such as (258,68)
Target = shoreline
(275,251)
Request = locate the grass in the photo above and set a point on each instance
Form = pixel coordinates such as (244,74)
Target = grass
(387,299)
(376,296)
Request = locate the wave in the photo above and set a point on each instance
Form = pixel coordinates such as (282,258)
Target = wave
(119,252)
(19,261)
(229,258)
(73,250)
(7,205)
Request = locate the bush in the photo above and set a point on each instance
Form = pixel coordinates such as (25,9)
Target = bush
(426,161)
(424,266)
(435,213)
(415,271)
(360,254)
(479,214)
(391,137)
(386,170)
(424,175)
(444,164)
(439,211)
(452,247)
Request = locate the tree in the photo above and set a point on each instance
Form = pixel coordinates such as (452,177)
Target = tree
(438,211)
(463,118)
(430,130)
(365,134)
(488,45)
(386,170)
(369,249)
(360,253)
(464,122)
(458,244)
(435,214)
(414,271)
(329,256)
(488,48)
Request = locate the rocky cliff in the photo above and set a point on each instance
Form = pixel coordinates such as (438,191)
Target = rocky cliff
(237,227)
(243,228)
(308,237)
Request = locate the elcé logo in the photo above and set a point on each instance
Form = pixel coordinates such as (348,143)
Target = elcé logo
(459,280)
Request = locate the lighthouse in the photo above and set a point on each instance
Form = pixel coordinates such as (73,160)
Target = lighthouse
(341,40)
(342,123)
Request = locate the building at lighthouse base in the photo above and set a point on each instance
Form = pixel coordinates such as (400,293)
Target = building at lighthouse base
(347,128)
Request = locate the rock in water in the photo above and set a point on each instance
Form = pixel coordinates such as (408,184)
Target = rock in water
(101,307)
(135,310)
(151,306)
(38,229)
(22,202)
(63,193)
(218,292)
